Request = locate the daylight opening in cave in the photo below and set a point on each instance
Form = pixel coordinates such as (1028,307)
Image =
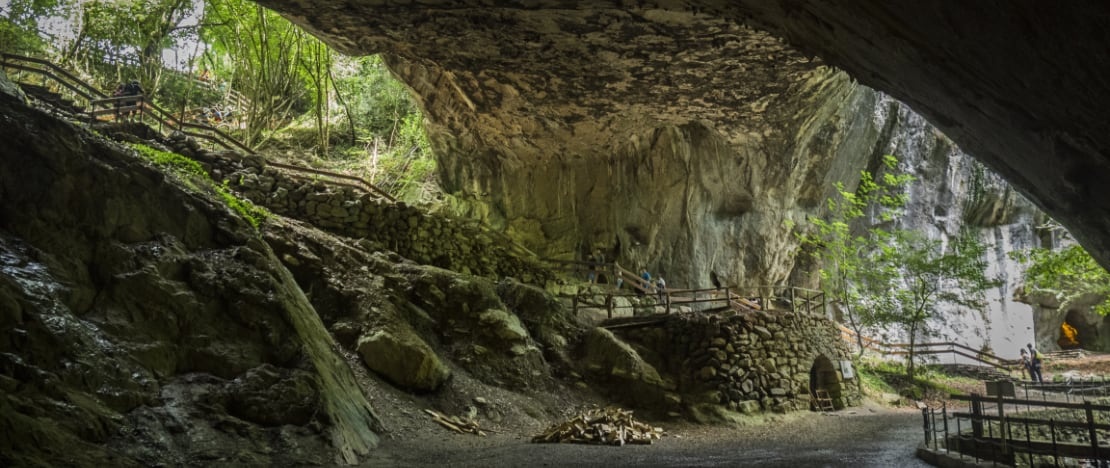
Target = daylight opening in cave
(1069,336)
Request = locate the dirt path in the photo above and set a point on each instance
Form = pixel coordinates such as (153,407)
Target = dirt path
(856,437)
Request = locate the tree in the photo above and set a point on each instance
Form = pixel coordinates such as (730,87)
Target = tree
(924,273)
(263,53)
(19,25)
(1067,274)
(129,36)
(843,243)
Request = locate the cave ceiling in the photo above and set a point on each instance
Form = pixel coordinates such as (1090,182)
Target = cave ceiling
(1021,85)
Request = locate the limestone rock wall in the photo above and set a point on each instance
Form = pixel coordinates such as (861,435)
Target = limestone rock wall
(748,362)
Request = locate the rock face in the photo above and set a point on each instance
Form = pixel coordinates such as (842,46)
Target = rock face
(608,110)
(144,324)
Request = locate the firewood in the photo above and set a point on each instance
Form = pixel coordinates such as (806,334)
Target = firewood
(612,426)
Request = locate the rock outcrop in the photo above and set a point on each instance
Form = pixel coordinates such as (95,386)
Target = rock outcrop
(586,105)
(144,323)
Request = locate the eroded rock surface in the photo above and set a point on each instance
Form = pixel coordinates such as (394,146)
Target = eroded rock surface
(145,324)
(585,105)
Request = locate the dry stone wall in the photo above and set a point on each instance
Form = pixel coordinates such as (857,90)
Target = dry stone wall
(426,238)
(749,362)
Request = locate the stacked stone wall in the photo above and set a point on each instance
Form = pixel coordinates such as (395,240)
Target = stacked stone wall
(747,362)
(427,238)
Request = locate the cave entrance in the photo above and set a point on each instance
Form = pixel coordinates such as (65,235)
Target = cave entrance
(1075,332)
(824,382)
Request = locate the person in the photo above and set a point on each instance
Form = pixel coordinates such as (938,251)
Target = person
(132,88)
(1037,360)
(646,277)
(593,262)
(1026,365)
(661,289)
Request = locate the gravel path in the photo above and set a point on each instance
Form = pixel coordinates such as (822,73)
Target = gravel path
(856,437)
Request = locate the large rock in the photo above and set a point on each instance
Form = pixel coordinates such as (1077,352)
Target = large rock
(144,323)
(404,359)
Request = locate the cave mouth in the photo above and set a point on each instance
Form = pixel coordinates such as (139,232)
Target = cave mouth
(823,377)
(1076,332)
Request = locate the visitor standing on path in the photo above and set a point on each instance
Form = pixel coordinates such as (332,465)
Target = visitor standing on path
(1026,365)
(1037,360)
(646,278)
(661,289)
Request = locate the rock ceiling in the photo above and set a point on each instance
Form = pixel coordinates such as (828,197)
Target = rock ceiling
(1022,85)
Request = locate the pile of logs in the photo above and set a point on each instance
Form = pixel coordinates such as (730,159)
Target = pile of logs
(457,424)
(609,426)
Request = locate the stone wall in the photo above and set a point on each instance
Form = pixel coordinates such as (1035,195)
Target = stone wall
(426,238)
(748,362)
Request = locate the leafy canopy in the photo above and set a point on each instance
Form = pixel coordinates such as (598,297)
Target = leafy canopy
(1067,274)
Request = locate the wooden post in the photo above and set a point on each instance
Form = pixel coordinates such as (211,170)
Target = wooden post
(1091,427)
(1002,424)
(728,298)
(668,296)
(976,415)
(793,301)
(609,305)
(574,304)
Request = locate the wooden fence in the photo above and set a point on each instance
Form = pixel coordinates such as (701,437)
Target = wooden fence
(1008,430)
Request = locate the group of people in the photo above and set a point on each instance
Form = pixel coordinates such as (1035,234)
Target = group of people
(125,108)
(1032,362)
(596,263)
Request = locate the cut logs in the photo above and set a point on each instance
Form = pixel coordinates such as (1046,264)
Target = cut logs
(609,426)
(455,423)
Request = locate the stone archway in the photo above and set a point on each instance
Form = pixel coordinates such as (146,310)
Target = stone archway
(824,376)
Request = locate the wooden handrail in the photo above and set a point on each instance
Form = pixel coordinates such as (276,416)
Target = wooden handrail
(97,98)
(365,185)
(903,349)
(22,58)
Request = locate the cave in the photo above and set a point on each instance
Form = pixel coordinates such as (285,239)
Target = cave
(1077,332)
(574,84)
(824,376)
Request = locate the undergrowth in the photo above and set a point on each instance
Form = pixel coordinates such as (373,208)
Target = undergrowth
(929,382)
(195,177)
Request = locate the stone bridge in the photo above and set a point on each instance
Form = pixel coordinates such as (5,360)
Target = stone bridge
(748,362)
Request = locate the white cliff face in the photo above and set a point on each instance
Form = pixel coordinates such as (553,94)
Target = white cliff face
(951,192)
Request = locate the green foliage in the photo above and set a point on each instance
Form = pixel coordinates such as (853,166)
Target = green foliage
(174,161)
(378,104)
(254,214)
(19,25)
(1067,274)
(264,55)
(882,376)
(931,273)
(844,243)
(192,172)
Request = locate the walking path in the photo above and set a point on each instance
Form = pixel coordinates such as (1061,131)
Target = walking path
(855,437)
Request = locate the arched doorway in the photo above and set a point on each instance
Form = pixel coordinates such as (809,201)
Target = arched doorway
(824,377)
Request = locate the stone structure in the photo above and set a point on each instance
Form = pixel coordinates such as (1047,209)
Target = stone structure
(596,83)
(770,361)
(427,238)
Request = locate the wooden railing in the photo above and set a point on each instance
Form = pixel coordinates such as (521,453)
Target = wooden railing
(98,104)
(929,349)
(800,300)
(1009,430)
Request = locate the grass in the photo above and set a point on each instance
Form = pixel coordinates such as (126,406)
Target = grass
(929,382)
(193,175)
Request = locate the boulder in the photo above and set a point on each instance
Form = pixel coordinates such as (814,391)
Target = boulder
(403,358)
